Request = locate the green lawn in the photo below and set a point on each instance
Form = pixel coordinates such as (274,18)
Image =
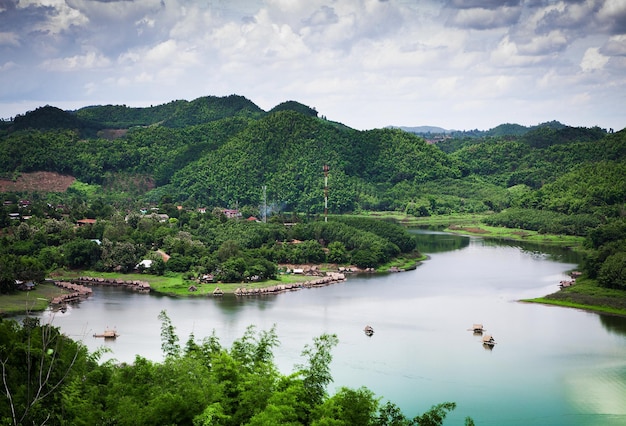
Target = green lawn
(586,294)
(28,301)
(176,285)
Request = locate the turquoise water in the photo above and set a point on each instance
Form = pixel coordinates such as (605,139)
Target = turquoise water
(550,366)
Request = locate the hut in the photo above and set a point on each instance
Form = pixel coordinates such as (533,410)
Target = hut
(488,340)
(478,328)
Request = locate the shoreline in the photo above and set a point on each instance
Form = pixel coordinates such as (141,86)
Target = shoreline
(585,295)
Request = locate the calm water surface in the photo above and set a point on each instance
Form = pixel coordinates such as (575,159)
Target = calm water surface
(551,366)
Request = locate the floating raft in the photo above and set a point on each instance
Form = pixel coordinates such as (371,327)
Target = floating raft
(108,334)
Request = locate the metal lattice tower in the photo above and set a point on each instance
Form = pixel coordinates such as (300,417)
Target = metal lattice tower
(326,168)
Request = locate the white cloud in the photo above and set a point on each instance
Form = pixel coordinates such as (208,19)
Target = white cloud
(60,19)
(615,46)
(552,42)
(89,60)
(593,60)
(363,62)
(482,18)
(613,14)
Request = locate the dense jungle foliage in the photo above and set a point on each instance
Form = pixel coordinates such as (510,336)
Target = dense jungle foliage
(228,153)
(48,378)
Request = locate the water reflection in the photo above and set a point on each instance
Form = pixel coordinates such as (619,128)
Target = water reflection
(439,242)
(548,252)
(613,324)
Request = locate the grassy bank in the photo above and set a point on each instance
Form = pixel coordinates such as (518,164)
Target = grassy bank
(22,302)
(587,294)
(441,221)
(403,263)
(173,284)
(517,235)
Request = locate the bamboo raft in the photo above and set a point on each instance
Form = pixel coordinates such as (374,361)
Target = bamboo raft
(108,334)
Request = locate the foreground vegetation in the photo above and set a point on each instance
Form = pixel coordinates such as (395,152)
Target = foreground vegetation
(50,379)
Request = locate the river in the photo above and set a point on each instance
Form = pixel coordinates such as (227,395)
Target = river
(550,366)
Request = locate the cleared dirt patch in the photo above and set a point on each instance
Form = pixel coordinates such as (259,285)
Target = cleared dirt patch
(37,182)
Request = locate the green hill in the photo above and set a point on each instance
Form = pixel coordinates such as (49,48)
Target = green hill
(223,152)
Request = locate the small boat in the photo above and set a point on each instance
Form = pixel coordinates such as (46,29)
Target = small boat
(488,340)
(369,331)
(477,329)
(108,334)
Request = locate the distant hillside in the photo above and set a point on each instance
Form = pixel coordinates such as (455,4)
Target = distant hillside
(50,118)
(422,129)
(507,129)
(175,114)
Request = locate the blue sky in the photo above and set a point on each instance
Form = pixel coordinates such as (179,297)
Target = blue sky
(457,64)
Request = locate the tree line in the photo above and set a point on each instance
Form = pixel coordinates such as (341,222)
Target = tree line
(197,244)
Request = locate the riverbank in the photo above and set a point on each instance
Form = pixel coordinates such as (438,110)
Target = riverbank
(23,302)
(586,294)
(471,224)
(176,285)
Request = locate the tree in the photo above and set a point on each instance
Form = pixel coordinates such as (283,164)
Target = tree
(81,253)
(613,271)
(337,252)
(35,363)
(169,339)
(348,407)
(316,372)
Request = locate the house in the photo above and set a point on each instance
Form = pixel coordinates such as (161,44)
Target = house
(207,278)
(83,222)
(145,264)
(231,213)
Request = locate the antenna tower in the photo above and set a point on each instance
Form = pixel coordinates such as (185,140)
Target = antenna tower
(326,168)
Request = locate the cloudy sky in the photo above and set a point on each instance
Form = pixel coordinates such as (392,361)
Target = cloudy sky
(457,64)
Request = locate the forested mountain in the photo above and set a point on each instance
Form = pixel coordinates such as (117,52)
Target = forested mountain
(227,152)
(174,114)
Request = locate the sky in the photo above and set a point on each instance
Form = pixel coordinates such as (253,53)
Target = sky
(456,64)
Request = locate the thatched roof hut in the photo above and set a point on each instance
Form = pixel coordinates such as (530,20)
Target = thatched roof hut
(488,340)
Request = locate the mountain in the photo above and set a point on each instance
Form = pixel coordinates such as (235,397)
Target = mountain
(422,129)
(50,118)
(221,151)
(506,129)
